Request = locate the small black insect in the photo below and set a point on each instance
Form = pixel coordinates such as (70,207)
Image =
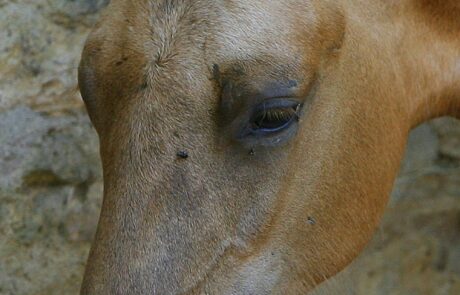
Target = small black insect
(252,152)
(182,155)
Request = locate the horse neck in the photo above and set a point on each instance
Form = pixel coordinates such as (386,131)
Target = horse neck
(417,40)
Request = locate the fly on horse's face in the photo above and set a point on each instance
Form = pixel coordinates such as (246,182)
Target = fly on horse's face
(248,147)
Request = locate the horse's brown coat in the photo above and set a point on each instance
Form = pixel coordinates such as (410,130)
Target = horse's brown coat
(235,217)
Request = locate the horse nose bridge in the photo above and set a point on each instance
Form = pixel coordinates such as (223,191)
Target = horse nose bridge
(154,232)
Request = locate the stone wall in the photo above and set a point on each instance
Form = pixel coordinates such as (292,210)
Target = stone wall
(50,175)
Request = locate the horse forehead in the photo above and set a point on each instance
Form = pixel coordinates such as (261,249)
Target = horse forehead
(250,29)
(229,30)
(177,44)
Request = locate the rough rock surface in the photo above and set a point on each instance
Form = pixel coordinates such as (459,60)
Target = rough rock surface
(50,175)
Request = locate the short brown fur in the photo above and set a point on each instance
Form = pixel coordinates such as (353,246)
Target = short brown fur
(174,77)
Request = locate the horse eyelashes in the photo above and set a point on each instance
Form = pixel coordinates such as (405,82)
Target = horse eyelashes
(275,117)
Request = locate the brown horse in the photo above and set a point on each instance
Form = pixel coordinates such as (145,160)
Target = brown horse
(249,146)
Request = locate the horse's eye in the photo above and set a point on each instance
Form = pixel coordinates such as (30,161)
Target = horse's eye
(271,123)
(274,116)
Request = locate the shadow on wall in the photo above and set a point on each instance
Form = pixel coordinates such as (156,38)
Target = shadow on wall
(50,176)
